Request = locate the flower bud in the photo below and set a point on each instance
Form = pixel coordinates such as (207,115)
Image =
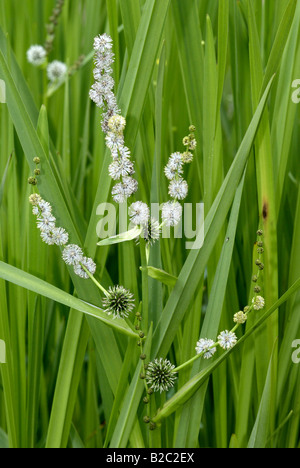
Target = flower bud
(32,181)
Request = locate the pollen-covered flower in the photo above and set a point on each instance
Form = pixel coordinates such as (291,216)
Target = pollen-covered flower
(160,376)
(258,303)
(56,70)
(178,189)
(119,302)
(89,264)
(187,157)
(139,213)
(117,124)
(193,144)
(36,55)
(206,346)
(72,254)
(227,339)
(240,317)
(35,199)
(171,213)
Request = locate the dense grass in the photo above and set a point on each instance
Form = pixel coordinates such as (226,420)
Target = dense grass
(72,375)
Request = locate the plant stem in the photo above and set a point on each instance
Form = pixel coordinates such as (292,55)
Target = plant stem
(145,285)
(94,280)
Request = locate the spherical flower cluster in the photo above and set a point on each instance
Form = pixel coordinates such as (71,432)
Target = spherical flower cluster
(53,235)
(56,70)
(139,213)
(160,375)
(258,303)
(240,317)
(36,55)
(206,347)
(227,339)
(118,302)
(171,213)
(178,189)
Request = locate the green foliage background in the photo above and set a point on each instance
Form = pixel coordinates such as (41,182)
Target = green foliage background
(72,375)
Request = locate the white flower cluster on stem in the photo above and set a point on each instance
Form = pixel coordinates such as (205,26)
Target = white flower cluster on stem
(178,187)
(53,235)
(113,124)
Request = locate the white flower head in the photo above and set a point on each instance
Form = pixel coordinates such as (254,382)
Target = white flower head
(258,303)
(120,168)
(89,264)
(56,70)
(118,193)
(46,223)
(36,55)
(227,339)
(171,213)
(114,141)
(47,237)
(139,213)
(60,236)
(102,43)
(130,186)
(105,84)
(178,189)
(175,161)
(96,95)
(72,255)
(206,347)
(103,62)
(171,172)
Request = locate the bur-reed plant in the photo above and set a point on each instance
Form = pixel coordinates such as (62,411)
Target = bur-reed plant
(106,340)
